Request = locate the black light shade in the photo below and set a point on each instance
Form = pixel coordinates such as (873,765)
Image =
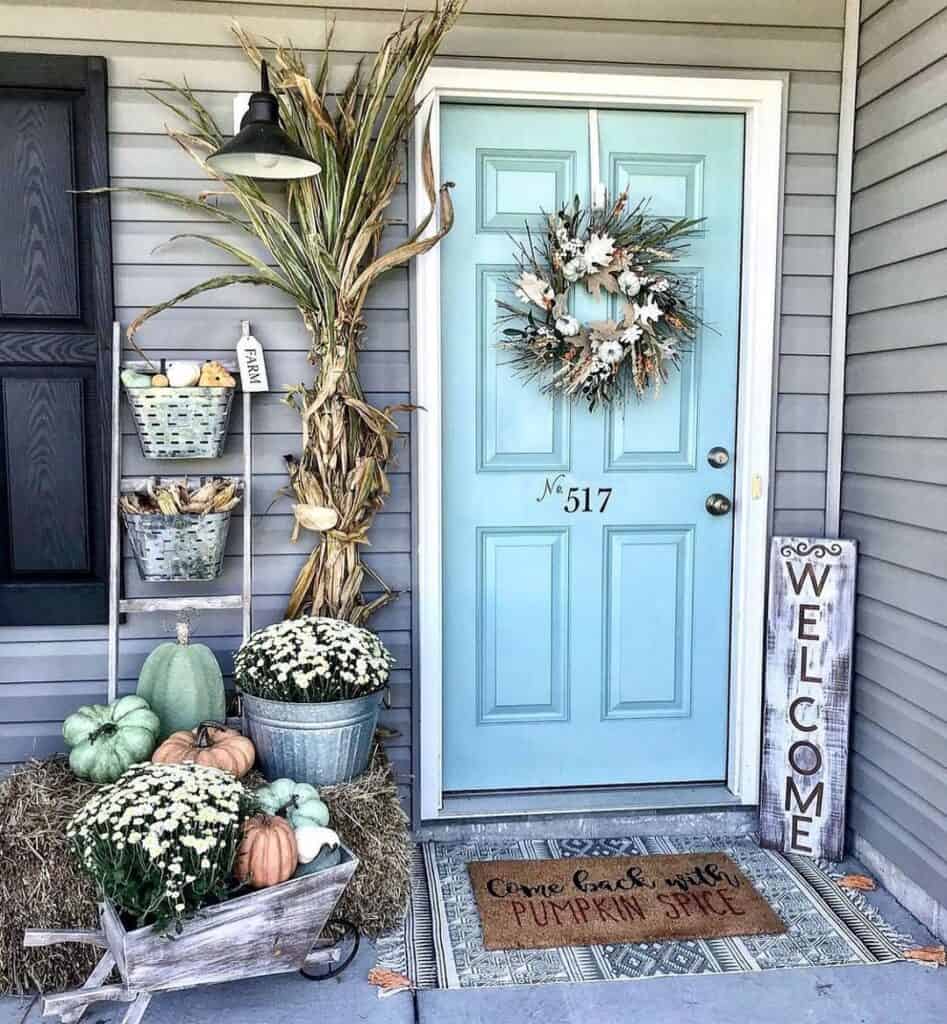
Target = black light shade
(262,149)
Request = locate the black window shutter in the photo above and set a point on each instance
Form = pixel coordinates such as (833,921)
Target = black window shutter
(56,313)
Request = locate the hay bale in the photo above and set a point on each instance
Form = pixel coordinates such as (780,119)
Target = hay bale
(40,885)
(367,814)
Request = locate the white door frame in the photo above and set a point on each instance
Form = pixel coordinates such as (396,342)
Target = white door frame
(761,101)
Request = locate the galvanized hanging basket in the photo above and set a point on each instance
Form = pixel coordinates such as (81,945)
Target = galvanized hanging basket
(178,548)
(181,423)
(173,548)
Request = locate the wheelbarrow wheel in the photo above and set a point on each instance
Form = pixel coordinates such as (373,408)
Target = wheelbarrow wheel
(347,946)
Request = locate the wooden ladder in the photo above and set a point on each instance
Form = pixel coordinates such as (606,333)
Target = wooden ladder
(118,605)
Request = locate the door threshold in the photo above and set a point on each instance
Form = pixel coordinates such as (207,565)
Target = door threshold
(664,809)
(592,800)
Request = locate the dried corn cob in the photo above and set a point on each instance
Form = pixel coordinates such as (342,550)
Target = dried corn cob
(176,498)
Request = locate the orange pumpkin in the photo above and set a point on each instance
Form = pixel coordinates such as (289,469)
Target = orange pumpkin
(268,853)
(210,744)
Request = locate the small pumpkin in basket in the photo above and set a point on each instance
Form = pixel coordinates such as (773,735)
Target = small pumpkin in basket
(210,744)
(268,853)
(214,375)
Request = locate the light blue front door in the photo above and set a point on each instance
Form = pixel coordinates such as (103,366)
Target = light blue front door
(586,638)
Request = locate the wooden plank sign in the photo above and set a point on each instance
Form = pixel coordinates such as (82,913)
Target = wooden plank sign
(809,632)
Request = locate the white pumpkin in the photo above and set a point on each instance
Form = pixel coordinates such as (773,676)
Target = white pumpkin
(311,840)
(183,373)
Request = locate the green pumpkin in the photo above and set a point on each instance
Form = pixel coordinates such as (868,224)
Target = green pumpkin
(107,739)
(297,801)
(183,685)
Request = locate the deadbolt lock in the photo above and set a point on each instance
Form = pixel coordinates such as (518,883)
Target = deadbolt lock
(718,457)
(718,504)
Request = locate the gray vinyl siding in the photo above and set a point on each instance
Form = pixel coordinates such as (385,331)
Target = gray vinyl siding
(44,674)
(894,487)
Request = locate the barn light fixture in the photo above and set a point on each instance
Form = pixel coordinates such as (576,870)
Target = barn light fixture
(261,149)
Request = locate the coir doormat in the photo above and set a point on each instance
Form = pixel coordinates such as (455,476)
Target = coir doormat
(440,943)
(598,901)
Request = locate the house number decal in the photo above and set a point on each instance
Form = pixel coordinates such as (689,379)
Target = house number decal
(576,499)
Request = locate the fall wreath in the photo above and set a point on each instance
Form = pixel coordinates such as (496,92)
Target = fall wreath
(626,251)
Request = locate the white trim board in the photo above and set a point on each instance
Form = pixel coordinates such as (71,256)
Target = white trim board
(839,331)
(761,101)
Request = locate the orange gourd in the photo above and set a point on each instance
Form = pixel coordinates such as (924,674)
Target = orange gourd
(268,853)
(210,744)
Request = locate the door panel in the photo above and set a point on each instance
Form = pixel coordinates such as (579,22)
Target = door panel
(516,430)
(647,643)
(43,422)
(523,589)
(36,165)
(586,631)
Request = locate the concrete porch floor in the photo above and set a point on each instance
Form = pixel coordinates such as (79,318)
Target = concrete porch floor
(902,993)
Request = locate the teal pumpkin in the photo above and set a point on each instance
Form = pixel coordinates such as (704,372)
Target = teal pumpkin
(134,379)
(183,685)
(107,739)
(297,801)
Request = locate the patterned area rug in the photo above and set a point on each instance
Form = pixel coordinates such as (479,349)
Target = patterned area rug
(440,944)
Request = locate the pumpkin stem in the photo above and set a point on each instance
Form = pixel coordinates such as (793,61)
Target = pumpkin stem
(202,739)
(184,632)
(106,729)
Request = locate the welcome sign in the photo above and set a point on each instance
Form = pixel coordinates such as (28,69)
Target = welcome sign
(810,625)
(587,901)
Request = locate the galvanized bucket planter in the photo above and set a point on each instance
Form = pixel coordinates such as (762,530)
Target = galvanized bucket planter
(316,743)
(181,423)
(182,547)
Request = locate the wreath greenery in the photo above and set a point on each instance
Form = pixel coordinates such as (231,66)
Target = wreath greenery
(626,251)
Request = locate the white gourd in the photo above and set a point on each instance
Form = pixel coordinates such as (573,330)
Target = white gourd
(311,840)
(183,373)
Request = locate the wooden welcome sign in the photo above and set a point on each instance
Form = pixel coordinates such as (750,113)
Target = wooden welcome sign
(809,632)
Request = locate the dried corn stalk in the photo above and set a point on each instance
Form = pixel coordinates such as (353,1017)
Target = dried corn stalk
(325,249)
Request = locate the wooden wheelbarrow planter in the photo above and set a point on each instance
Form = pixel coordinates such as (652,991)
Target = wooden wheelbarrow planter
(271,931)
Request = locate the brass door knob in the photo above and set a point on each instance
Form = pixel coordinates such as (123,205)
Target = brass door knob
(718,504)
(718,457)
